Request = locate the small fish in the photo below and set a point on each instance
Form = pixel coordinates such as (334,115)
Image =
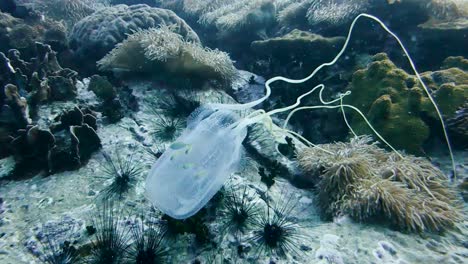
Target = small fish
(188,165)
(178,145)
(201,173)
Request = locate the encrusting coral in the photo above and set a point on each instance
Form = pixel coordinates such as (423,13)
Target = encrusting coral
(397,106)
(161,50)
(359,179)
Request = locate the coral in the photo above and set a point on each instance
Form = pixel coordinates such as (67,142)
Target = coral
(42,77)
(160,49)
(228,17)
(325,12)
(22,34)
(334,12)
(455,62)
(307,49)
(30,148)
(361,180)
(111,107)
(100,32)
(458,128)
(76,139)
(449,85)
(15,109)
(70,11)
(256,16)
(395,105)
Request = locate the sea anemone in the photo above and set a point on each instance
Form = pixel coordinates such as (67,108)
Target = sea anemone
(365,182)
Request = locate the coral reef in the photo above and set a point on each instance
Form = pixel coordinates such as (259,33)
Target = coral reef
(330,13)
(165,52)
(22,34)
(396,105)
(94,36)
(366,182)
(69,11)
(230,17)
(42,77)
(306,49)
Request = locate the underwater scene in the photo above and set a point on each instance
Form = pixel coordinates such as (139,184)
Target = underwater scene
(234,131)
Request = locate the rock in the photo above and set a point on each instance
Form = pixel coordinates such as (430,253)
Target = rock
(308,50)
(248,86)
(328,251)
(458,128)
(94,36)
(7,166)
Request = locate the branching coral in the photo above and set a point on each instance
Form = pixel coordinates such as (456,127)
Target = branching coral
(364,181)
(162,49)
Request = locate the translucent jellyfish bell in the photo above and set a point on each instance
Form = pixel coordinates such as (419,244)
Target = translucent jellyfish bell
(197,164)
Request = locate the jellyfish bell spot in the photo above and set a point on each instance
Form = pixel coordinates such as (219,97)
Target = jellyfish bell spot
(180,185)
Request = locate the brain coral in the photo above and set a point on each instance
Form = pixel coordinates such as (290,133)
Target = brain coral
(98,33)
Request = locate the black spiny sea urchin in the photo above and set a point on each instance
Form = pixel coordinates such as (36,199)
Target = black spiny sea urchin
(123,172)
(111,241)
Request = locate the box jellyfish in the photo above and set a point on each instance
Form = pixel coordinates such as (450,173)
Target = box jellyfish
(197,164)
